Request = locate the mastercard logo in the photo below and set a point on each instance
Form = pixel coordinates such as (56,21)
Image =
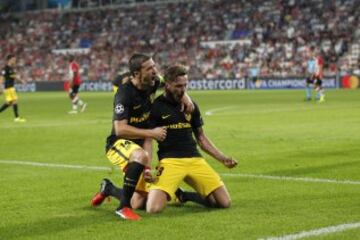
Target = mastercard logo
(350,82)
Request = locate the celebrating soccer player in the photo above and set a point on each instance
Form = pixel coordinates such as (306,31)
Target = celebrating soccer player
(179,158)
(126,146)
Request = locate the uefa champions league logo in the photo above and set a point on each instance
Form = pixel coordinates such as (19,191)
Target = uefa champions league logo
(119,109)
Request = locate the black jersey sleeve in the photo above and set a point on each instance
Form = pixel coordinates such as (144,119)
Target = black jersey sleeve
(121,106)
(121,79)
(117,81)
(196,120)
(157,85)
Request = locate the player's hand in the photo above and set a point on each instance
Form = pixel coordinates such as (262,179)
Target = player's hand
(187,105)
(230,162)
(148,177)
(159,133)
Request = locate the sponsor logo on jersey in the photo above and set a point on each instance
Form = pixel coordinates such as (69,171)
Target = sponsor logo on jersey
(179,126)
(143,118)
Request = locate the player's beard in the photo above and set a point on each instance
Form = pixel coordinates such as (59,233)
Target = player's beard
(147,81)
(176,97)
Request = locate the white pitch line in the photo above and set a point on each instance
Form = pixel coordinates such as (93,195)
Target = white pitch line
(212,111)
(316,232)
(296,108)
(242,175)
(53,165)
(30,124)
(285,178)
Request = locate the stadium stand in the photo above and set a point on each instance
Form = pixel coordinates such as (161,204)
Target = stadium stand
(238,38)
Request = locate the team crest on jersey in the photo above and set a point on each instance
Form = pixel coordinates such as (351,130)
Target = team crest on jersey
(188,117)
(119,109)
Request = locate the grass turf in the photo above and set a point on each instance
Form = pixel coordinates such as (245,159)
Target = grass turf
(269,132)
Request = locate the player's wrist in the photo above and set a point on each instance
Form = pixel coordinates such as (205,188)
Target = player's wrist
(223,159)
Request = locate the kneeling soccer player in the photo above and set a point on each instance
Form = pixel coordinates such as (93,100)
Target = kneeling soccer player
(179,159)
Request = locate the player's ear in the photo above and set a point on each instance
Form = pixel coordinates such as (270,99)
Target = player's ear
(136,73)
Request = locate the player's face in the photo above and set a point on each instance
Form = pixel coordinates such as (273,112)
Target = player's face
(148,73)
(178,87)
(12,61)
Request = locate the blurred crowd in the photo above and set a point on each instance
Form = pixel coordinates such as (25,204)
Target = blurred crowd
(216,39)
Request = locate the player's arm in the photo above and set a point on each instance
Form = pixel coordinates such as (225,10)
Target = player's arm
(124,130)
(207,146)
(187,104)
(148,147)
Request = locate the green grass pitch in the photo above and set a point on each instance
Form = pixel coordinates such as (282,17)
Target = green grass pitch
(270,133)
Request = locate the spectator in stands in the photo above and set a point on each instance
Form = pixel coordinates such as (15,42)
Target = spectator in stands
(274,32)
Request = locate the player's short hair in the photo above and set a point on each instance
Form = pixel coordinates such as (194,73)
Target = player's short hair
(10,56)
(172,72)
(136,61)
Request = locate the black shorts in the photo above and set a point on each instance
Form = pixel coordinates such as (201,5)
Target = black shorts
(318,82)
(309,80)
(75,89)
(314,80)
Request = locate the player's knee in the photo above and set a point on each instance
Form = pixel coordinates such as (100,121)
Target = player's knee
(156,201)
(154,208)
(221,198)
(138,201)
(140,156)
(225,203)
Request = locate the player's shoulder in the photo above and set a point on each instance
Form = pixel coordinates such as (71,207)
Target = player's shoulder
(159,99)
(121,79)
(125,93)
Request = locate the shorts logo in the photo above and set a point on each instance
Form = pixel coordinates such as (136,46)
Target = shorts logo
(165,116)
(119,109)
(137,107)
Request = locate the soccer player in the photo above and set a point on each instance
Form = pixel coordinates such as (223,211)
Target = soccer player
(315,66)
(75,82)
(128,145)
(8,75)
(120,80)
(179,158)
